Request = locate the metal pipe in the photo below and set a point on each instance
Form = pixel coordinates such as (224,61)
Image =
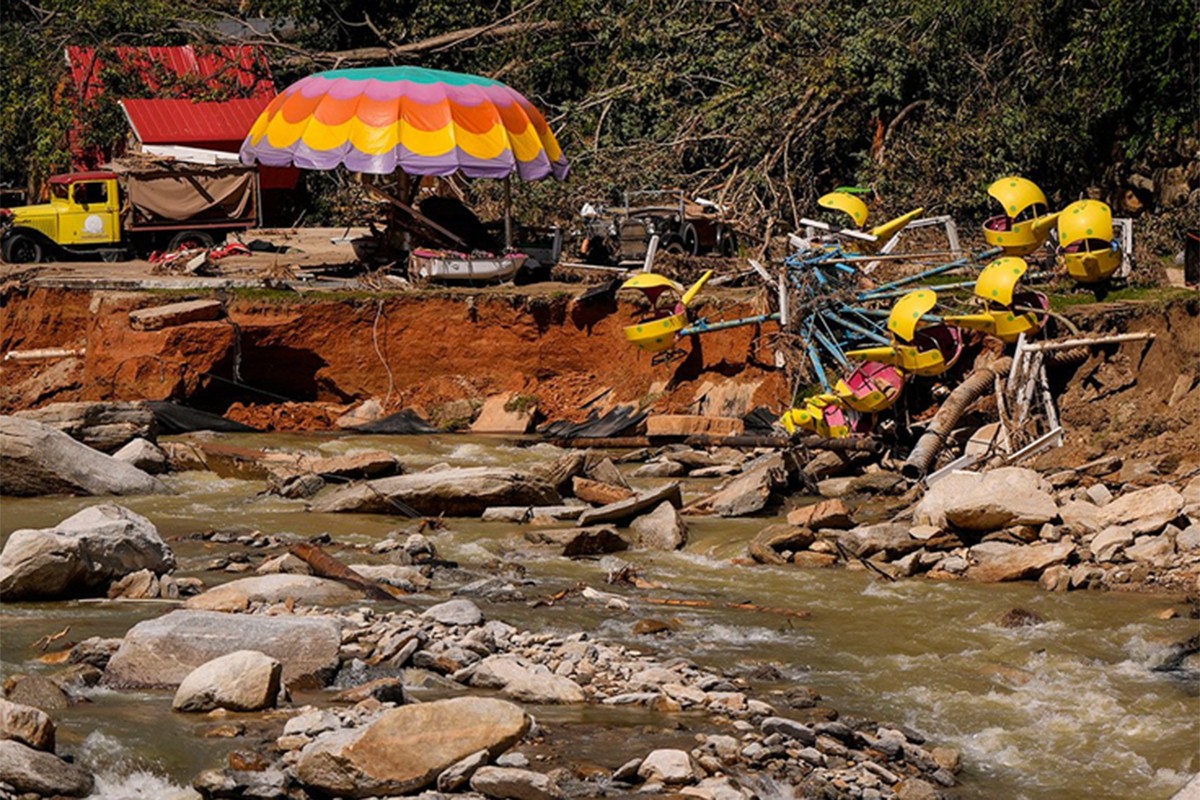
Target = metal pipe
(1067,344)
(704,326)
(508,242)
(959,262)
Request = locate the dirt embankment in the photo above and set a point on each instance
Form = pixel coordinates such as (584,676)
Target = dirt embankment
(416,350)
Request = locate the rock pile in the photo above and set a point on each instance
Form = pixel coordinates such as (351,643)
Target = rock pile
(1011,524)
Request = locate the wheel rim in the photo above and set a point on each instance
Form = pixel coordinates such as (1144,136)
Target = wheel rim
(24,251)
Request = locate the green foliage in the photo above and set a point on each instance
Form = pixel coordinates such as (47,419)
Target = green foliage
(764,104)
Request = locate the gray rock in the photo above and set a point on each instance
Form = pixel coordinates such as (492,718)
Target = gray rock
(1081,517)
(40,773)
(508,783)
(146,456)
(1000,561)
(660,469)
(1152,549)
(668,767)
(103,426)
(458,774)
(454,492)
(891,539)
(661,529)
(749,492)
(284,564)
(1110,541)
(544,689)
(1143,511)
(999,499)
(245,680)
(1099,494)
(405,749)
(304,589)
(81,555)
(408,578)
(455,612)
(36,459)
(526,513)
(1188,539)
(625,510)
(793,730)
(161,652)
(27,725)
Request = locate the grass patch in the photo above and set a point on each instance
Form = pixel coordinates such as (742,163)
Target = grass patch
(1157,295)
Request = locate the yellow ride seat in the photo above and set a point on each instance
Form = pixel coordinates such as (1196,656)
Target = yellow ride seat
(1025,223)
(884,233)
(1086,244)
(996,288)
(821,414)
(848,204)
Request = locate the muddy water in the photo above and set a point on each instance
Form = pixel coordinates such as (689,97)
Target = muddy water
(1067,709)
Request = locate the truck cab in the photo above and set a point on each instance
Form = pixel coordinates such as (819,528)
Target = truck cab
(83,214)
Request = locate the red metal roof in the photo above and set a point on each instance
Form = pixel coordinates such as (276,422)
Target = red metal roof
(237,69)
(76,177)
(218,126)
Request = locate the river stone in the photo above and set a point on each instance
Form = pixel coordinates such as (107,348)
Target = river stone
(1000,561)
(661,529)
(284,563)
(304,589)
(27,725)
(791,729)
(891,539)
(245,680)
(825,514)
(37,691)
(599,492)
(1000,499)
(409,578)
(1191,791)
(455,612)
(766,546)
(1110,541)
(1144,511)
(406,748)
(932,508)
(748,493)
(544,689)
(146,456)
(669,767)
(81,555)
(161,652)
(1189,538)
(514,784)
(140,585)
(453,492)
(1154,549)
(456,776)
(36,459)
(41,773)
(1081,517)
(527,513)
(625,510)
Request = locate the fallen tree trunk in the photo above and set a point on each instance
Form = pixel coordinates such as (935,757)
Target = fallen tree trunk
(977,384)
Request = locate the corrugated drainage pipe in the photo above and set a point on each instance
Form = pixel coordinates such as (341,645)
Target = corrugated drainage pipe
(976,385)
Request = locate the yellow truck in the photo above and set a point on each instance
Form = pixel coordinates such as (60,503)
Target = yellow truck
(129,210)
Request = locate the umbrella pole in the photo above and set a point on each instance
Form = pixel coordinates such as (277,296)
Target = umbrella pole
(508,214)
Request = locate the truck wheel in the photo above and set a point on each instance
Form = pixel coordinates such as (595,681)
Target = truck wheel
(727,242)
(691,242)
(674,246)
(21,248)
(190,240)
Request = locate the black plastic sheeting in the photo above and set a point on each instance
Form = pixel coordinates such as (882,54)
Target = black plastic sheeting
(400,423)
(620,421)
(173,418)
(760,420)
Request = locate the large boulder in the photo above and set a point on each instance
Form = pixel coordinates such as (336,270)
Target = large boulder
(1000,561)
(81,555)
(303,589)
(998,499)
(41,773)
(661,529)
(245,680)
(454,492)
(27,725)
(36,459)
(1144,511)
(146,456)
(106,427)
(161,652)
(406,748)
(749,492)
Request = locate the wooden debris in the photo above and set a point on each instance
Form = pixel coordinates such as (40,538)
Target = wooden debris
(326,566)
(44,642)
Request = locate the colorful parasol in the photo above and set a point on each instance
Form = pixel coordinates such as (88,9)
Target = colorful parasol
(420,121)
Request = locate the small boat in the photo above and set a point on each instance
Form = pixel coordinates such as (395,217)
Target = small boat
(452,267)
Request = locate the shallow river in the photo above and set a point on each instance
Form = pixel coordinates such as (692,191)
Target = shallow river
(1065,710)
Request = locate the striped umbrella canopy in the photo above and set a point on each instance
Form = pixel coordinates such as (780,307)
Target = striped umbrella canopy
(420,121)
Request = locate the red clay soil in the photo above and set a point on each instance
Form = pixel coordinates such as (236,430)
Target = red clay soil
(322,352)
